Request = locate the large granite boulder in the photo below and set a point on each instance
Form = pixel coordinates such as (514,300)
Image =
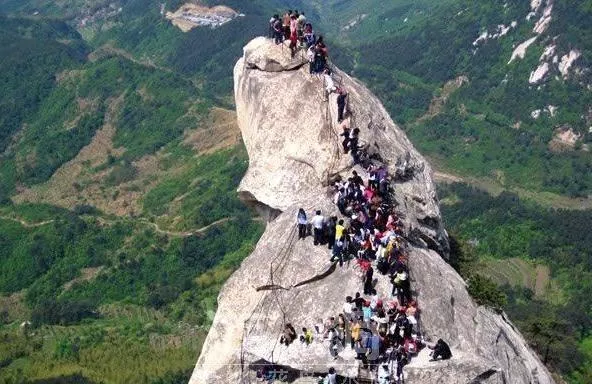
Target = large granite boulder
(291,135)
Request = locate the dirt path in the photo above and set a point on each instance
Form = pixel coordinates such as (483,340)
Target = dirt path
(27,224)
(187,233)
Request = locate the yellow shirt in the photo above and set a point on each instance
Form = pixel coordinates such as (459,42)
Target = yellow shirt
(339,231)
(355,331)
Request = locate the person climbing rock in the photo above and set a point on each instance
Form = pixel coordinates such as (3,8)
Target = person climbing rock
(345,132)
(317,225)
(354,145)
(302,223)
(329,83)
(341,103)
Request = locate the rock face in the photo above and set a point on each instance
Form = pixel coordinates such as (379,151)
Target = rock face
(294,150)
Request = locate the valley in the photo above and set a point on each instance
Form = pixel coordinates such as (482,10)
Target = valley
(120,157)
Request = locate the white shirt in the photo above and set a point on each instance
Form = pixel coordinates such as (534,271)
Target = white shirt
(329,82)
(317,221)
(310,54)
(347,308)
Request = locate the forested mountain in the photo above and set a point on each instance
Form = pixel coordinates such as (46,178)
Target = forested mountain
(522,112)
(119,160)
(119,219)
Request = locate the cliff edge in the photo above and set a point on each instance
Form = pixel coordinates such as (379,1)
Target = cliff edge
(291,136)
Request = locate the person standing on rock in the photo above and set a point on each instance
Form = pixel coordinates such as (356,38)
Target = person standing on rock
(368,281)
(286,24)
(293,34)
(321,53)
(309,36)
(317,226)
(302,223)
(301,24)
(331,377)
(341,103)
(271,25)
(310,55)
(277,30)
(330,231)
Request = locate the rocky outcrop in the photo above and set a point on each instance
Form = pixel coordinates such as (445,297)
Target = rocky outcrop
(291,135)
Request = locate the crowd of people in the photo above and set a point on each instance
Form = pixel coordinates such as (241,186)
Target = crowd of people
(382,330)
(293,26)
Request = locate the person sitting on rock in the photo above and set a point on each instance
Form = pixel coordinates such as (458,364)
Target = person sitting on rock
(317,224)
(289,335)
(306,336)
(440,350)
